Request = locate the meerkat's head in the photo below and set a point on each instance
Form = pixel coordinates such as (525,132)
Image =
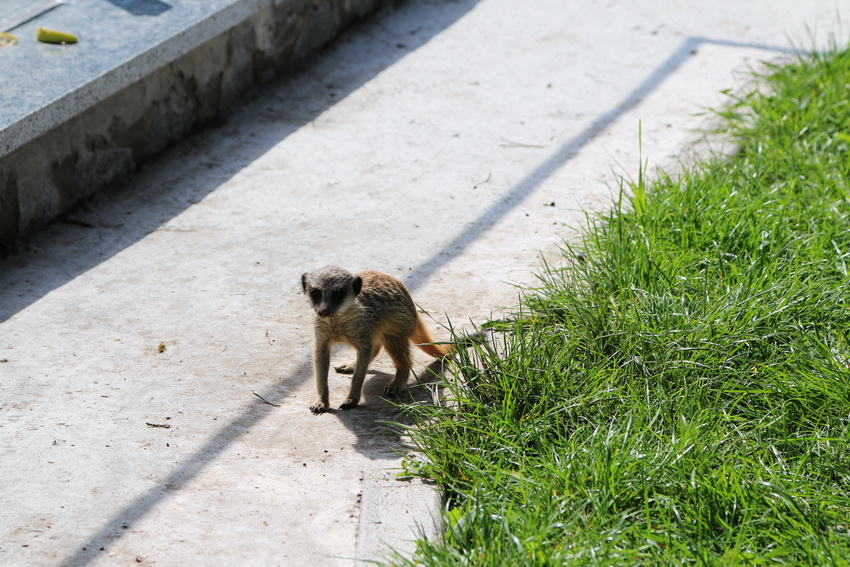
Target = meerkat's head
(329,289)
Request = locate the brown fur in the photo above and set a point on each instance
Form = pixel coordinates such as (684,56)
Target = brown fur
(369,311)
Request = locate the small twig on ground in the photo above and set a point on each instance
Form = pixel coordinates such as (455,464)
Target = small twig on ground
(489,175)
(512,144)
(265,400)
(162,425)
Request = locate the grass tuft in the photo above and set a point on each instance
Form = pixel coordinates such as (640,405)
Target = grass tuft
(679,391)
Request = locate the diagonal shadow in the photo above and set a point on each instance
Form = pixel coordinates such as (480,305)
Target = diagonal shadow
(520,192)
(47,260)
(191,466)
(142,7)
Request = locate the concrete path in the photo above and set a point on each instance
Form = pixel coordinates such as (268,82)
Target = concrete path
(450,143)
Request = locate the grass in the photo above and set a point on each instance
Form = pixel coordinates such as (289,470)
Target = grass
(679,391)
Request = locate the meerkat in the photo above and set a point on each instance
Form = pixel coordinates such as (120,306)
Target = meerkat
(369,310)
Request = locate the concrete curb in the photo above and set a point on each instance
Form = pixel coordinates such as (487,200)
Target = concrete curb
(77,119)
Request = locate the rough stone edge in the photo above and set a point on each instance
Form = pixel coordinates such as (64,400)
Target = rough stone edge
(105,143)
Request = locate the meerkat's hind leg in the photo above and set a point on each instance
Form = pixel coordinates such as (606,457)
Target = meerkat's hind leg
(348,367)
(399,351)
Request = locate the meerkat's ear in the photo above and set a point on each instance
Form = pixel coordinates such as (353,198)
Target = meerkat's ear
(304,282)
(357,284)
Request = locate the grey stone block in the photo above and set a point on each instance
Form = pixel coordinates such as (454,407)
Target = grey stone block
(92,132)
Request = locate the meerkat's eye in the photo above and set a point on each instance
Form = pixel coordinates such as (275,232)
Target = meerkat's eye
(337,295)
(316,295)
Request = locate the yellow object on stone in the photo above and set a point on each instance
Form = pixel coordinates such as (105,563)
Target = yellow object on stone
(7,39)
(51,36)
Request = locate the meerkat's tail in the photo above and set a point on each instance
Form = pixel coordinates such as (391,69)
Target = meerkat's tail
(422,338)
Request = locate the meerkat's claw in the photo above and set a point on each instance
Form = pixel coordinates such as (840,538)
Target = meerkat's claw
(319,407)
(346,368)
(349,404)
(396,391)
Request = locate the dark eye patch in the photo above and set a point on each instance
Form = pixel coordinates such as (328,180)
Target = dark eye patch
(316,295)
(337,295)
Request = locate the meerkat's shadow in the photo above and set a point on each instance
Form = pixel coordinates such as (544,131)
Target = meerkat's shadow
(379,419)
(422,387)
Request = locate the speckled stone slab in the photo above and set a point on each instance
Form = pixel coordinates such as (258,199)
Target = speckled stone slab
(76,119)
(120,41)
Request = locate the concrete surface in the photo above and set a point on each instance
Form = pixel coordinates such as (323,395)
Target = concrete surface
(450,143)
(78,118)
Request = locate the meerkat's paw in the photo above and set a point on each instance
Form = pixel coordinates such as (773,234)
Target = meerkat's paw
(349,404)
(319,407)
(395,389)
(346,368)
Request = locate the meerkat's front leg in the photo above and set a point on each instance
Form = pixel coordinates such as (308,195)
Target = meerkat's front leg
(321,363)
(364,356)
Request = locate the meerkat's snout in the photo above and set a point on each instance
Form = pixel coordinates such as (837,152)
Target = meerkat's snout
(326,304)
(327,297)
